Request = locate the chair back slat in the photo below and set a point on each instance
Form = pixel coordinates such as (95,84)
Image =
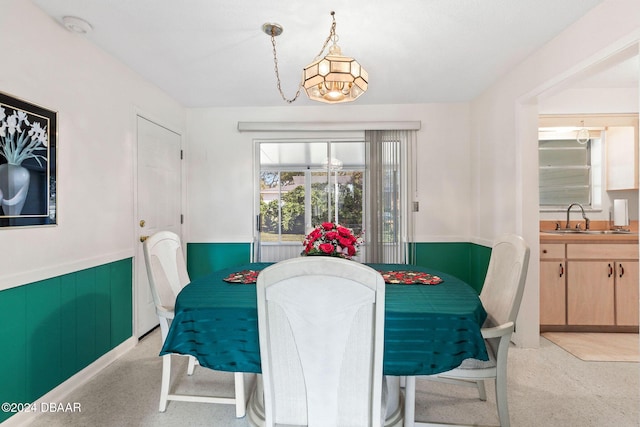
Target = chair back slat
(166,268)
(504,283)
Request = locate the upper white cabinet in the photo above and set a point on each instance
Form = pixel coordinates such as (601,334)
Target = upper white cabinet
(621,144)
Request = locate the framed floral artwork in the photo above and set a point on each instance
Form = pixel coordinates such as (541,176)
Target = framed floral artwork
(28,134)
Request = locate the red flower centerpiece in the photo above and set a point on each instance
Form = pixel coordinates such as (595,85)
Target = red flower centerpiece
(332,240)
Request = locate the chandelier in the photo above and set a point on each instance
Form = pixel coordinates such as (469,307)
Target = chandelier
(583,135)
(332,79)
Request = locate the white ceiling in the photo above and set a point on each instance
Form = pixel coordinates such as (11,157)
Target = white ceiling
(208,53)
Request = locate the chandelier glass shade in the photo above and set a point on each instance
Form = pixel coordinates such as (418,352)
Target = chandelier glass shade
(332,79)
(335,78)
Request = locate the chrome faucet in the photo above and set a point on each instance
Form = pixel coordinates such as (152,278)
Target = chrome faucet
(586,220)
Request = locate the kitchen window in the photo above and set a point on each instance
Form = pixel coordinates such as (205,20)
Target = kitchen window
(569,172)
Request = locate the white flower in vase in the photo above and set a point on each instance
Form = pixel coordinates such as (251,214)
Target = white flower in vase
(20,140)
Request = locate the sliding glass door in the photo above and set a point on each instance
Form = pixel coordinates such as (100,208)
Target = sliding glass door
(363,184)
(305,183)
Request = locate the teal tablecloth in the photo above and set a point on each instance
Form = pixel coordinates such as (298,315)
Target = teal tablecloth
(428,328)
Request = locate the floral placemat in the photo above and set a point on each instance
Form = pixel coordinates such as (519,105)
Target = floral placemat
(408,277)
(244,276)
(401,277)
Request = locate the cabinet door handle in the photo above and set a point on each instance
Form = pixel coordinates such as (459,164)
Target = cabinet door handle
(621,270)
(561,270)
(610,270)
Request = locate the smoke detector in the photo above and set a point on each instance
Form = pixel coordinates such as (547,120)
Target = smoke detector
(76,25)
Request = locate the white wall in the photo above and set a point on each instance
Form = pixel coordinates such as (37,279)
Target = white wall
(221,175)
(591,101)
(96,99)
(504,137)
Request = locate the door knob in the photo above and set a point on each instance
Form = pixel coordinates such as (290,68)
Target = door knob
(143,238)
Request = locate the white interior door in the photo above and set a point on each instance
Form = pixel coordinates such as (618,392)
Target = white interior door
(159,205)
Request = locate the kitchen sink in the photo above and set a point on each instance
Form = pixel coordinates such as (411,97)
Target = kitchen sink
(607,232)
(576,231)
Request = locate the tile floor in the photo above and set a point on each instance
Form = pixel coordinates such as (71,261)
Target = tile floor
(547,387)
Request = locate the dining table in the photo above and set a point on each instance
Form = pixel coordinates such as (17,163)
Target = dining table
(432,324)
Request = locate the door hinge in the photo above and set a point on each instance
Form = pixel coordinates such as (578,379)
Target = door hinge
(181,219)
(181,155)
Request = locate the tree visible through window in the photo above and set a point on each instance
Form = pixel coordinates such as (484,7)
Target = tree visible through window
(296,197)
(363,183)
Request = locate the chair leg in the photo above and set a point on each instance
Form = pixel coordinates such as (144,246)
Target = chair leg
(501,400)
(166,381)
(241,402)
(409,401)
(191,366)
(481,390)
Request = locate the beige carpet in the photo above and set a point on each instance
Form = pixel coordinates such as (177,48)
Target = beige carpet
(598,347)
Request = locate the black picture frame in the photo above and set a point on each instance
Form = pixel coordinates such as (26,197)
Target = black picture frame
(28,166)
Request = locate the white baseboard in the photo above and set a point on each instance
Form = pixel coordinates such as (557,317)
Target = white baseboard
(60,392)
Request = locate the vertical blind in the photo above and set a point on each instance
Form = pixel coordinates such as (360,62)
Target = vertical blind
(391,185)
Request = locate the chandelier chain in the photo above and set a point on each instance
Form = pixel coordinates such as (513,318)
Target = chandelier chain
(275,64)
(332,35)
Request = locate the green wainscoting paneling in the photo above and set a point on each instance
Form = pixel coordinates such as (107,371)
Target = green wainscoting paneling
(205,258)
(52,329)
(466,261)
(479,263)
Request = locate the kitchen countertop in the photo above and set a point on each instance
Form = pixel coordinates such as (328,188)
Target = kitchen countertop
(552,237)
(588,238)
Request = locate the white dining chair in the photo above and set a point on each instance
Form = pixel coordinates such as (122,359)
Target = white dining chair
(321,333)
(167,274)
(501,296)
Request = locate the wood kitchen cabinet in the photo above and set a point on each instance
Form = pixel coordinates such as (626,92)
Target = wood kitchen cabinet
(590,293)
(589,287)
(553,299)
(627,293)
(602,284)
